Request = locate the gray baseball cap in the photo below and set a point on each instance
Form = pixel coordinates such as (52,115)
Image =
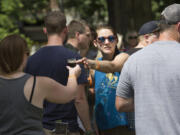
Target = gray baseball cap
(171,14)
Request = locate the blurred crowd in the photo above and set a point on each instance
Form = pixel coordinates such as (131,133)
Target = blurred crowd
(93,81)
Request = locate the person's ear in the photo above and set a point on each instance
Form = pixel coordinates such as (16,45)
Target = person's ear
(44,30)
(178,27)
(65,31)
(146,36)
(95,43)
(77,34)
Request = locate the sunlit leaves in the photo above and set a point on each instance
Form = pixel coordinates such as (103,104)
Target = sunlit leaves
(9,6)
(90,10)
(13,13)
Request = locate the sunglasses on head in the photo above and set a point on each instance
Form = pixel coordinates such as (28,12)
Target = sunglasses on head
(132,37)
(109,38)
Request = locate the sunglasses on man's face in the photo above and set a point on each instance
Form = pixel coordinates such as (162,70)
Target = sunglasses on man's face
(132,37)
(109,38)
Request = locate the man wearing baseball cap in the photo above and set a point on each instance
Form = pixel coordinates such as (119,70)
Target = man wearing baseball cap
(150,80)
(148,33)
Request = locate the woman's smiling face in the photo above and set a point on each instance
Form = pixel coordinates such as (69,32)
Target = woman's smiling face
(106,41)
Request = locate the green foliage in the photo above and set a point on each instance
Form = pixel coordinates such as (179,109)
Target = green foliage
(9,6)
(96,10)
(15,12)
(7,20)
(156,10)
(89,10)
(158,6)
(34,10)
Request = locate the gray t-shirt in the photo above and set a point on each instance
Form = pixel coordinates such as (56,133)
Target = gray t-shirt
(152,76)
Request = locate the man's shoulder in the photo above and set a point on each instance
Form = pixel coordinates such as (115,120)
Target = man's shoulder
(71,48)
(50,51)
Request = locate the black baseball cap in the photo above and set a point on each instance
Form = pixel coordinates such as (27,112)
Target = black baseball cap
(148,27)
(171,14)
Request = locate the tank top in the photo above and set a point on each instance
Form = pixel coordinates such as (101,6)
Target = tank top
(17,115)
(107,117)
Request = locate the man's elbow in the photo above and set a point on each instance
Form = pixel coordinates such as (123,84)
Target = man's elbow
(80,96)
(124,105)
(79,100)
(119,106)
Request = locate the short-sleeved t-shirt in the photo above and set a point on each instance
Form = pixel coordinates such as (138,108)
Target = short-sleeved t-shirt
(51,61)
(153,75)
(131,115)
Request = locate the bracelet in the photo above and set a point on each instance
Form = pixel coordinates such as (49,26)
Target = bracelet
(90,80)
(97,64)
(71,76)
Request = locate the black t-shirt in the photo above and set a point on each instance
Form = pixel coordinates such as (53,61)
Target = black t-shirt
(71,47)
(51,61)
(133,50)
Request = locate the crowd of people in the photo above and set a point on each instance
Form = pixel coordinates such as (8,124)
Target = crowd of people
(134,90)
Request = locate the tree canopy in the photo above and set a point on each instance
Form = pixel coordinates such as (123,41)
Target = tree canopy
(14,14)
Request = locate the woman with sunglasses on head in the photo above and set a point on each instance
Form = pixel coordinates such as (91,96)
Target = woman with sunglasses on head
(22,95)
(108,120)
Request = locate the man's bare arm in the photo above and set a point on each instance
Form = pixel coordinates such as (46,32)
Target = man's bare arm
(82,107)
(124,104)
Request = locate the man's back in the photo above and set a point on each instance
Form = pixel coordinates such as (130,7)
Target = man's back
(51,61)
(154,74)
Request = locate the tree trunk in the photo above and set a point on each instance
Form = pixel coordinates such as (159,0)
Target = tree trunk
(126,15)
(54,5)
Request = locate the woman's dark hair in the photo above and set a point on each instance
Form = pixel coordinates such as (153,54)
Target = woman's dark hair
(104,26)
(12,50)
(116,51)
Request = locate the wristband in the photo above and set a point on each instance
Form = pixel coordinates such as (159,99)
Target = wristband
(90,80)
(71,76)
(97,64)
